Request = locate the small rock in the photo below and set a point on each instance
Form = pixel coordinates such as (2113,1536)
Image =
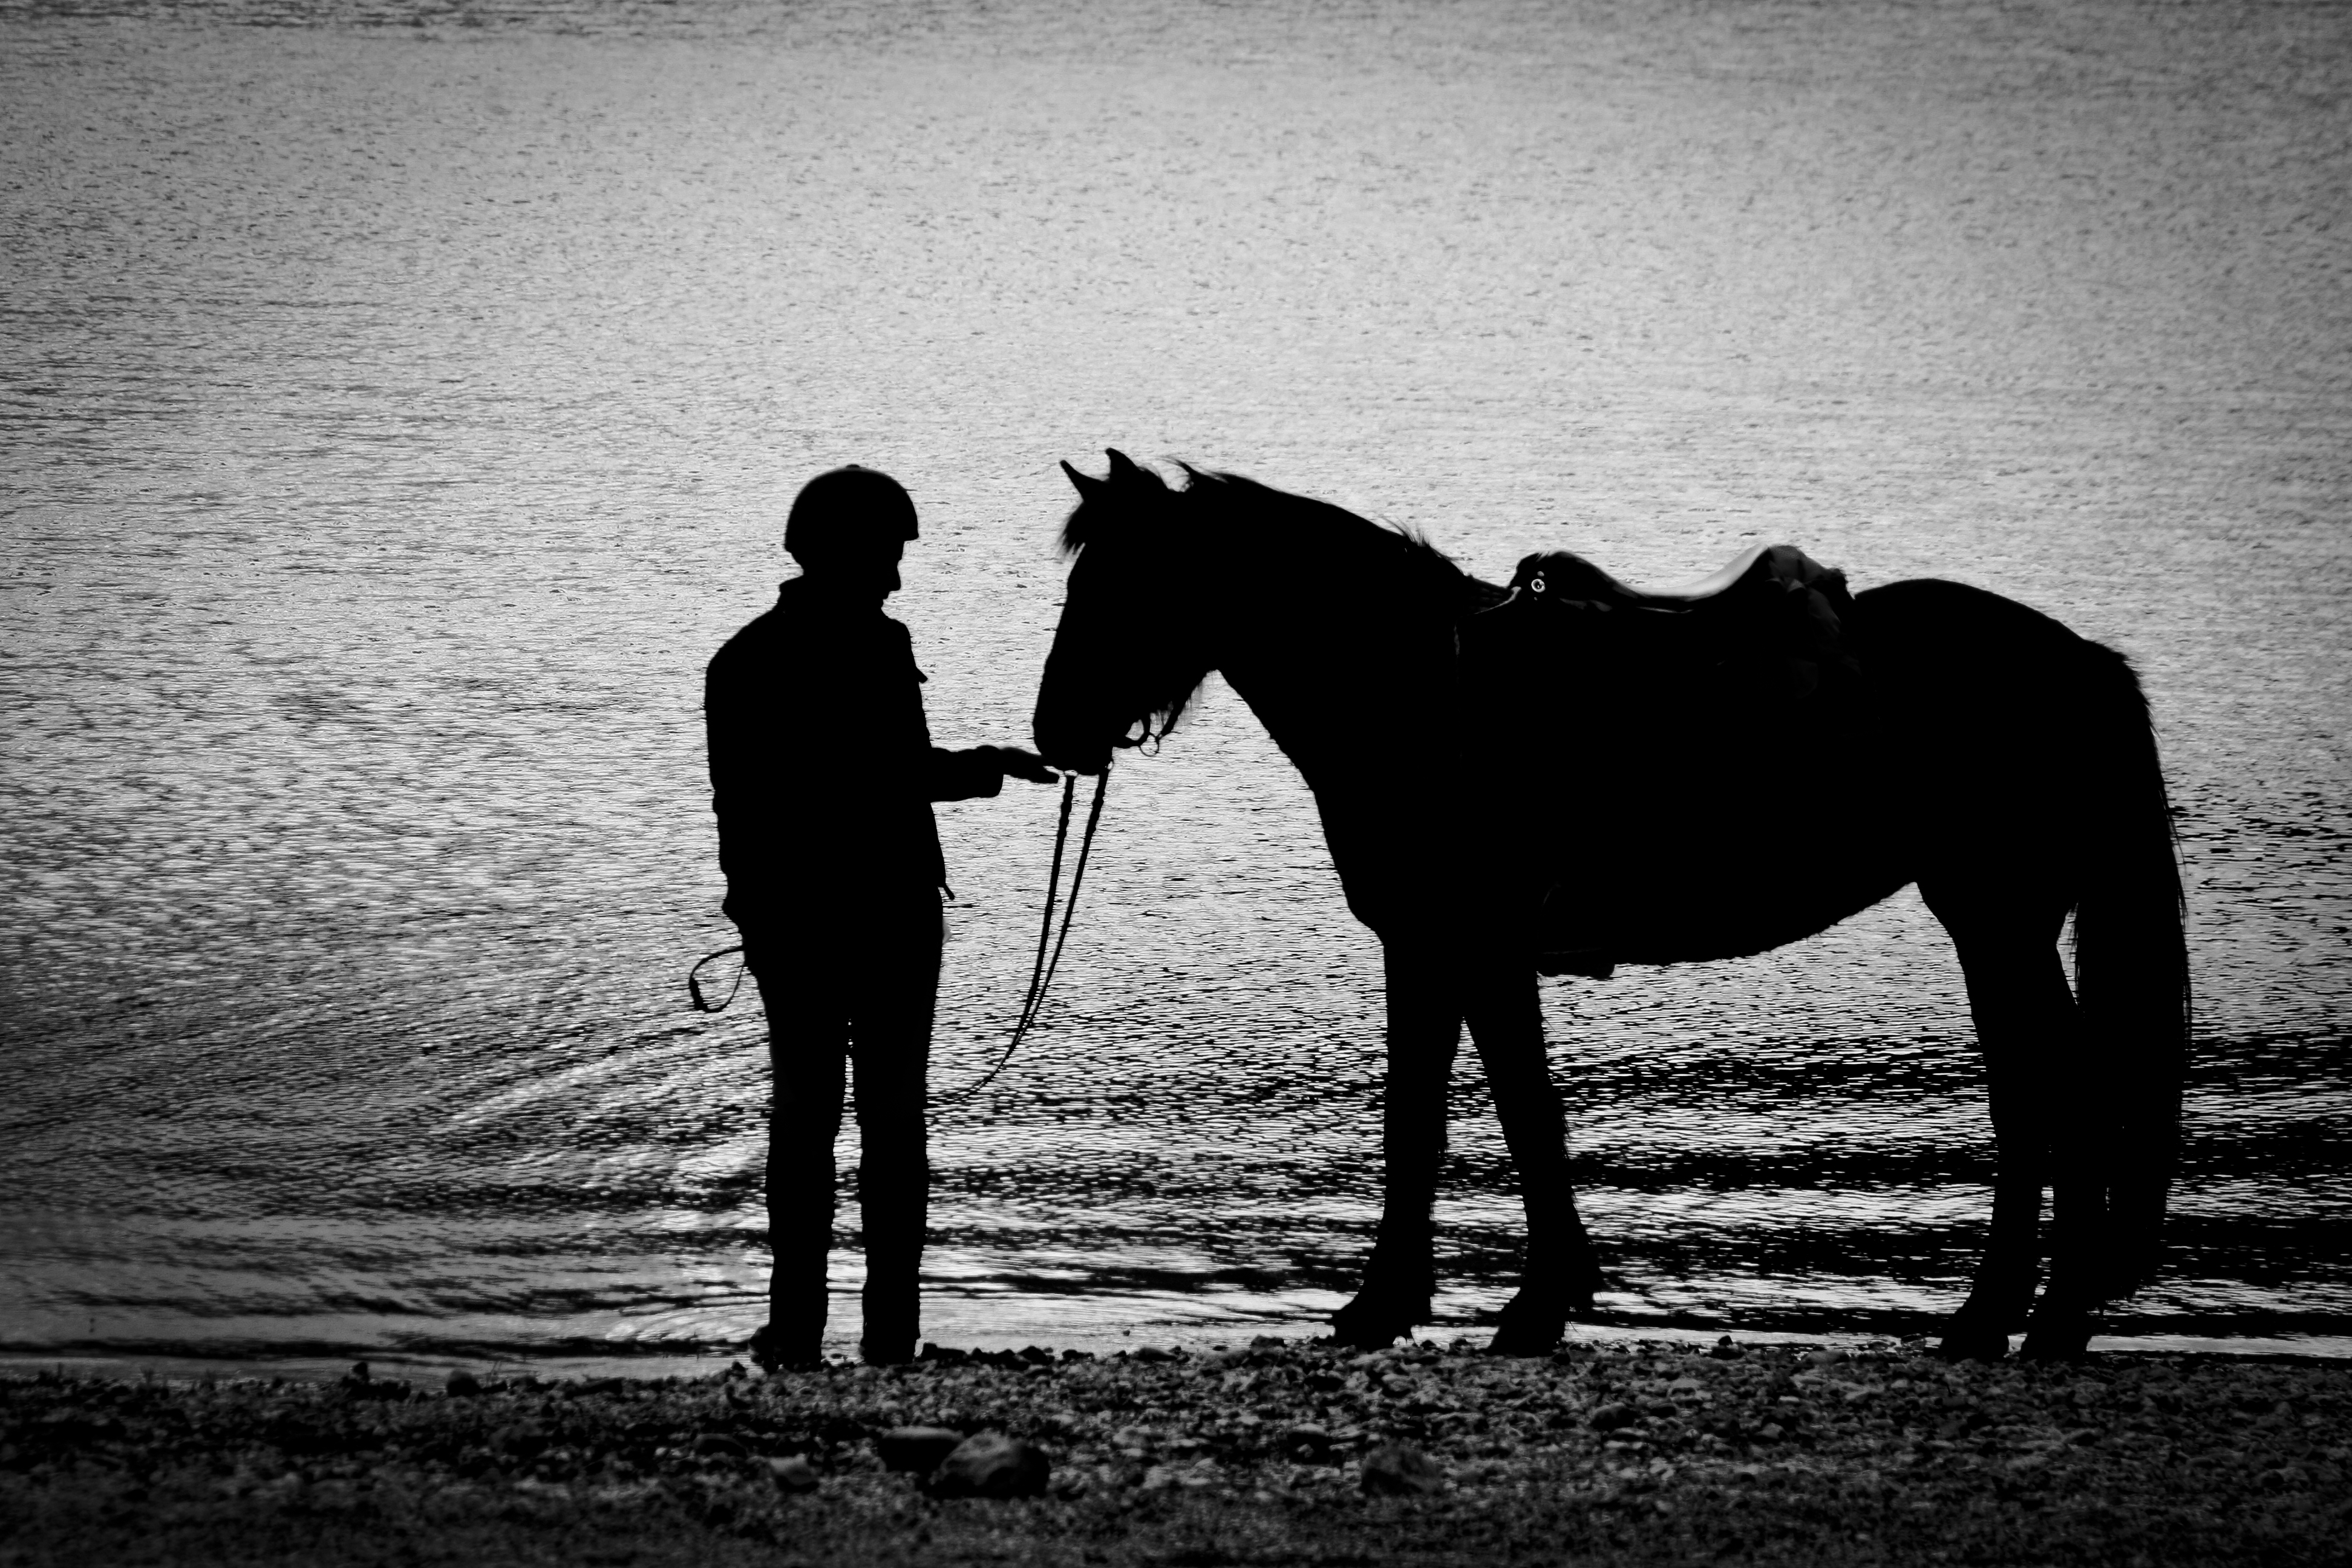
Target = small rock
(1308,1445)
(718,1446)
(1725,1350)
(359,1384)
(793,1474)
(1610,1418)
(991,1465)
(1824,1358)
(1399,1469)
(464,1384)
(917,1448)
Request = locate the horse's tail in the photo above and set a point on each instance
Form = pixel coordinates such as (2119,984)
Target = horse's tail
(2131,965)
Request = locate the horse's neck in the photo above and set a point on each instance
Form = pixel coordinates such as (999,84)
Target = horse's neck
(1349,671)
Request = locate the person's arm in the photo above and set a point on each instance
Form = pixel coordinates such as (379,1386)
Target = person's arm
(979,774)
(750,839)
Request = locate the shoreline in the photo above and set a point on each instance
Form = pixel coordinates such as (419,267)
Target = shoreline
(1638,1451)
(327,1363)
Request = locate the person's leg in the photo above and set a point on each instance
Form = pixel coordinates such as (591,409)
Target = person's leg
(807,1039)
(891,1024)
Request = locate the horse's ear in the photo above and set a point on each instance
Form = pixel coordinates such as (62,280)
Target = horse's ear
(1087,485)
(1124,471)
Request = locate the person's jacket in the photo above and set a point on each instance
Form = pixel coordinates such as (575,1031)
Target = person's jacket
(822,769)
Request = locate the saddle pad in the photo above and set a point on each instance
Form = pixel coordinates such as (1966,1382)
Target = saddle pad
(1772,605)
(1639,742)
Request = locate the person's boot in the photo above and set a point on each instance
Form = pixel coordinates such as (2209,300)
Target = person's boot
(893,1302)
(893,1294)
(894,1197)
(794,1334)
(797,1300)
(781,1344)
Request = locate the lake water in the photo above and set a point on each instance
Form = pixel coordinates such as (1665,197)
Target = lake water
(399,403)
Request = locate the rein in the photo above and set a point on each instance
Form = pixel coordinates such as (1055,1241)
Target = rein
(1041,973)
(694,983)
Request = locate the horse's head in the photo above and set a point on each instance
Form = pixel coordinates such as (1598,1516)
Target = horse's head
(1132,645)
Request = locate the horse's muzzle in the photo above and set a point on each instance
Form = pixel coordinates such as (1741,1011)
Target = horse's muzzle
(1068,742)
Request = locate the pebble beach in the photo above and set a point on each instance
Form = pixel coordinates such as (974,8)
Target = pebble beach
(1280,1452)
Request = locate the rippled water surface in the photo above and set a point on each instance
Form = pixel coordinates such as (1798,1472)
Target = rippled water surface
(398,403)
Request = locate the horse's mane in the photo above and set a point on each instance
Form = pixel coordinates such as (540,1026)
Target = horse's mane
(1327,560)
(1232,508)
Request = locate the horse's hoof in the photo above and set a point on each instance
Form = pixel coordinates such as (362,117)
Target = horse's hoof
(1973,1342)
(2044,1346)
(1528,1334)
(2058,1336)
(1367,1324)
(2061,1327)
(1533,1320)
(1366,1331)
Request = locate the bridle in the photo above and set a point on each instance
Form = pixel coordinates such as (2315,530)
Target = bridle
(1040,972)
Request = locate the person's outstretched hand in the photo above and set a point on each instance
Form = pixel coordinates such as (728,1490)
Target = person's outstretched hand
(1020,765)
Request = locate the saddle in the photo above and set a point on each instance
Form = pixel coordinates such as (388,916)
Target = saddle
(1640,729)
(1772,607)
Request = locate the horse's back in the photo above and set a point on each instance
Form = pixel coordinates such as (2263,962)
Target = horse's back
(1953,633)
(2024,747)
(1988,705)
(1696,813)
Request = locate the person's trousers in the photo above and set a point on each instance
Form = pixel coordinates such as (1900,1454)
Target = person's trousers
(849,991)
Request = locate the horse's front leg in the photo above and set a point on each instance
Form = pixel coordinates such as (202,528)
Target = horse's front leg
(1424,1028)
(1506,1016)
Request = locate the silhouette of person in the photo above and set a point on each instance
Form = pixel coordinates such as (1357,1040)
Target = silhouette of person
(823,774)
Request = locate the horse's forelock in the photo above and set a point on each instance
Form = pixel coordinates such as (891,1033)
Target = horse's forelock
(1105,504)
(1079,526)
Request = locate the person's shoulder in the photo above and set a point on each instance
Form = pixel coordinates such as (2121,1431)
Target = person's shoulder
(758,638)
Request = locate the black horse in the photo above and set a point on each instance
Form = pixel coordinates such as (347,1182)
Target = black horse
(1568,775)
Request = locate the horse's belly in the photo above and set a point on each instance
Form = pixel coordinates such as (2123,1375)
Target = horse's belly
(1725,912)
(1674,865)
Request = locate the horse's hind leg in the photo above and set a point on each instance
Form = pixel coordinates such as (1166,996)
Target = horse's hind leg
(2045,1115)
(1424,1028)
(1505,1019)
(2003,1296)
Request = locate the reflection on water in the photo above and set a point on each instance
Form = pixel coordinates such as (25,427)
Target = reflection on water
(399,403)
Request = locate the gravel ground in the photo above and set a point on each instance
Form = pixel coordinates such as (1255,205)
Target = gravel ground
(1637,1454)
